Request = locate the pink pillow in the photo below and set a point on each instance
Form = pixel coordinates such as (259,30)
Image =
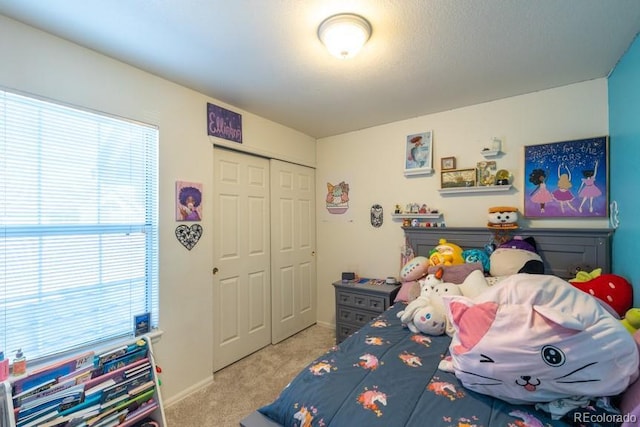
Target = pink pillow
(456,273)
(406,292)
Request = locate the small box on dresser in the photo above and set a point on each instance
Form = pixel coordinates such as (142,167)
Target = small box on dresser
(359,303)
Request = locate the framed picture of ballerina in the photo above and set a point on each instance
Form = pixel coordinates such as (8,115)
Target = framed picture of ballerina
(567,179)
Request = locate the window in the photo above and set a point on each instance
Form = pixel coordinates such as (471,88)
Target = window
(78,226)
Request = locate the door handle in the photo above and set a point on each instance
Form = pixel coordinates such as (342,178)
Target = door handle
(215,270)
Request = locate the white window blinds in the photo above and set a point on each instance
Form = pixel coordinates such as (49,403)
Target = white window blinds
(78,226)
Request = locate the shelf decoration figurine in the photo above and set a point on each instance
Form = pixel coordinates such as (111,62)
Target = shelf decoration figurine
(502,177)
(496,144)
(486,172)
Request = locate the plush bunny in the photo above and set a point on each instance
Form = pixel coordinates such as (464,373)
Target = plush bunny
(422,301)
(426,314)
(431,319)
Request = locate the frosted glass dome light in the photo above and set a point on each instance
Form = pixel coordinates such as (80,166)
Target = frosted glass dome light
(344,34)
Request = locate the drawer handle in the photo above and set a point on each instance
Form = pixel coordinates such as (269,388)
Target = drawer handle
(374,304)
(344,298)
(345,315)
(359,301)
(359,317)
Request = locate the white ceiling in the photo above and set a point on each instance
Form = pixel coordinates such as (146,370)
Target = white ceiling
(424,56)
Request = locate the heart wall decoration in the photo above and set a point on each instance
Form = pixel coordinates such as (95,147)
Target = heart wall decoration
(189,235)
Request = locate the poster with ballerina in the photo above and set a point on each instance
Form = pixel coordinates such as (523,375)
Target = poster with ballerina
(566,179)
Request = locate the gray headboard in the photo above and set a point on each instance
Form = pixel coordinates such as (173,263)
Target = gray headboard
(564,251)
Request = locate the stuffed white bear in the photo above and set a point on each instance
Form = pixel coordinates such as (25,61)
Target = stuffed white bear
(427,313)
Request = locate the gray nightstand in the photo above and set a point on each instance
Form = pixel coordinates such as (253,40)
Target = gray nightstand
(357,304)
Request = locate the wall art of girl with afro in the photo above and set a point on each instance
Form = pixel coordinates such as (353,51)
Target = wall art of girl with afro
(540,195)
(189,201)
(566,179)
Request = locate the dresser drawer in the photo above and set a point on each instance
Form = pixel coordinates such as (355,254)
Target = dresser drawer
(352,315)
(343,331)
(367,302)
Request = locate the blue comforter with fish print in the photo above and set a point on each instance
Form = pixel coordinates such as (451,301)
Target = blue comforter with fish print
(384,375)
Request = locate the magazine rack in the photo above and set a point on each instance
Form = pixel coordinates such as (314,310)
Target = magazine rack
(114,387)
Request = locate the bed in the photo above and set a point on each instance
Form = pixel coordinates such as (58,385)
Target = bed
(384,375)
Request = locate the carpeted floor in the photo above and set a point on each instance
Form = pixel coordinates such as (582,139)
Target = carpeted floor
(254,381)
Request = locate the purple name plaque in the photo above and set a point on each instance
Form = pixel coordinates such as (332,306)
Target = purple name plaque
(224,123)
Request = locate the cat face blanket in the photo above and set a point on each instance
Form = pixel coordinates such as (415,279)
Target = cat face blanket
(535,338)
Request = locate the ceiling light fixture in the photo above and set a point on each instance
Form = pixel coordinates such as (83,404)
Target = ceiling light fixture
(344,34)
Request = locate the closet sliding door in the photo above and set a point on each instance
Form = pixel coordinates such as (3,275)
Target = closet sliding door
(293,245)
(264,253)
(242,260)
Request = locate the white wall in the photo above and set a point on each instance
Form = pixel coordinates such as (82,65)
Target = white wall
(38,63)
(372,162)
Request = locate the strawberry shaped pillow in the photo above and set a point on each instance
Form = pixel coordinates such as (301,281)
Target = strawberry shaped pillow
(610,288)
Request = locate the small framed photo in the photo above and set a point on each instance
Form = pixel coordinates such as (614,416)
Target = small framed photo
(458,178)
(486,173)
(447,163)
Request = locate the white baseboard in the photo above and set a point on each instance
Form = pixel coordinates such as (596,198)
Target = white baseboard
(326,324)
(188,391)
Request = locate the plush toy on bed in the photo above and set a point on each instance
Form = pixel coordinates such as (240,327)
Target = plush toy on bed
(614,290)
(518,255)
(631,320)
(446,253)
(427,314)
(503,217)
(477,255)
(421,315)
(535,338)
(414,269)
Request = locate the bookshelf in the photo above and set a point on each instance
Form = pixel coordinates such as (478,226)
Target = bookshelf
(114,387)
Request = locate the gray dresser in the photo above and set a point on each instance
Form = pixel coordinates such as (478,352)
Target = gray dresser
(357,304)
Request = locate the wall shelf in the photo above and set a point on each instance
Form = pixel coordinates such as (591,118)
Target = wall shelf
(491,153)
(421,171)
(477,189)
(416,216)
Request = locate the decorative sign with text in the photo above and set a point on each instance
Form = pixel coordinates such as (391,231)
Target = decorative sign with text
(224,123)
